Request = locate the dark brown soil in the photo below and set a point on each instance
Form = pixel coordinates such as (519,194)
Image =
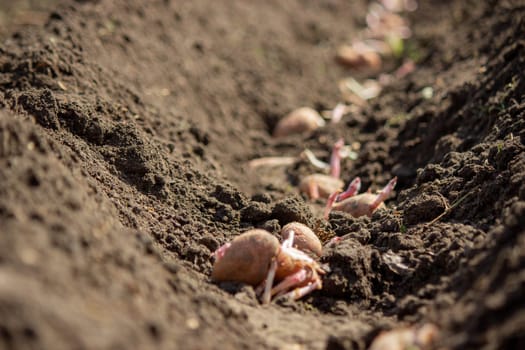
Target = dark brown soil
(125,131)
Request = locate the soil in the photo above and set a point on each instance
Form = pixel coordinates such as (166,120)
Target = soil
(126,128)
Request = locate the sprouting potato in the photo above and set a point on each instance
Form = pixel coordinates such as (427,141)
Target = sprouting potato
(299,121)
(358,205)
(358,57)
(246,259)
(305,239)
(406,338)
(321,185)
(256,258)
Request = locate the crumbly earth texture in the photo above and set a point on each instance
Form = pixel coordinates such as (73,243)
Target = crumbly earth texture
(125,130)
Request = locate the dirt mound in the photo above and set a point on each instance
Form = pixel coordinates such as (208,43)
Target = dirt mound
(125,135)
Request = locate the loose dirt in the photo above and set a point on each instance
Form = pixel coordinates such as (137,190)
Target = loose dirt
(126,128)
